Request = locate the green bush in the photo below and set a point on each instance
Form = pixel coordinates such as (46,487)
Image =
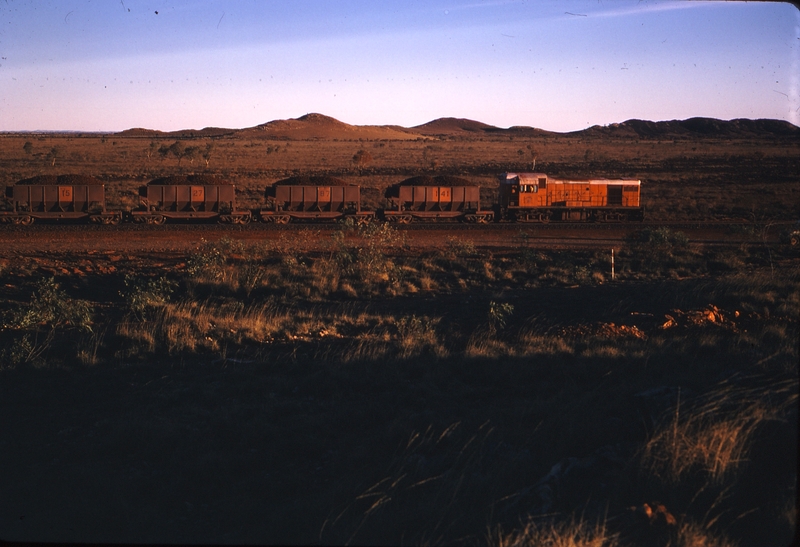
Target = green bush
(209,259)
(51,306)
(498,315)
(24,349)
(661,239)
(141,294)
(365,256)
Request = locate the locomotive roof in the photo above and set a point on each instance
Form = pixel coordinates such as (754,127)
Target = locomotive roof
(62,180)
(510,178)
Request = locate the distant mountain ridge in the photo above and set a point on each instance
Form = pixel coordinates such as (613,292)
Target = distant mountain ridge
(711,127)
(181,133)
(319,126)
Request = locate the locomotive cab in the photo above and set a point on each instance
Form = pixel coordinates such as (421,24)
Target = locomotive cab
(522,190)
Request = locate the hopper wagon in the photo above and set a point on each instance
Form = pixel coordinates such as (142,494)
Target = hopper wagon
(287,203)
(58,201)
(432,203)
(535,197)
(159,202)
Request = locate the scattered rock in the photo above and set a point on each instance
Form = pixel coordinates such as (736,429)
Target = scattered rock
(655,513)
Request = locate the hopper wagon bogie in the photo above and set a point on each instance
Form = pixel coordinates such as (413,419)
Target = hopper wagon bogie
(535,197)
(288,203)
(160,202)
(29,202)
(432,203)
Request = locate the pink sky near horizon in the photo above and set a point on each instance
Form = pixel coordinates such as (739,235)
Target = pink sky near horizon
(555,65)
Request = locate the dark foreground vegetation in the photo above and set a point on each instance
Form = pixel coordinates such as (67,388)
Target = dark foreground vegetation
(366,395)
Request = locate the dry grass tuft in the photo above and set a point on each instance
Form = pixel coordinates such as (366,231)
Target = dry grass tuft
(692,535)
(714,434)
(573,533)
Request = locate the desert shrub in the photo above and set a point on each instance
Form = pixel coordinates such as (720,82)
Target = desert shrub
(660,241)
(25,349)
(51,306)
(365,255)
(498,315)
(458,247)
(661,251)
(250,275)
(206,262)
(417,335)
(209,260)
(143,294)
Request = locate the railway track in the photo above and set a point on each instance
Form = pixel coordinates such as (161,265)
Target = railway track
(184,237)
(431,226)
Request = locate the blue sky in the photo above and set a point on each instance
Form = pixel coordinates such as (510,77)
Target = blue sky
(561,65)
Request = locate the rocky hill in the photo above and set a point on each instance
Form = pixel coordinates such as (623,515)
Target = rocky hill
(319,126)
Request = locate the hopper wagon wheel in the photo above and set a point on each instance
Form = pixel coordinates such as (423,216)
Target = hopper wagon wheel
(114,220)
(483,219)
(282,219)
(794,240)
(404,219)
(159,219)
(26,220)
(244,219)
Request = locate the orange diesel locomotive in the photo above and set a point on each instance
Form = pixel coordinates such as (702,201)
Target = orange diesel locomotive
(535,197)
